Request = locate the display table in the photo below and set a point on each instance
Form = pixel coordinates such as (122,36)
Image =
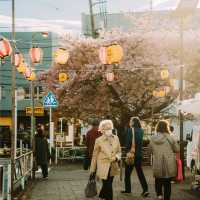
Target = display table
(5,178)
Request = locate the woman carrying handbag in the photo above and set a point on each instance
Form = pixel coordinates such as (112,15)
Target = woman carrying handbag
(106,154)
(134,140)
(163,146)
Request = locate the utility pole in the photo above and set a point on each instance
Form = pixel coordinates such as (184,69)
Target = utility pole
(181,118)
(92,19)
(14,131)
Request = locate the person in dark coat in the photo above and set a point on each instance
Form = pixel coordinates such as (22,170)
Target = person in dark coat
(138,134)
(91,137)
(42,151)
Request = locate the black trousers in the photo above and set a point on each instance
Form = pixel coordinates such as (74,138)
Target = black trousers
(165,183)
(44,168)
(140,174)
(107,189)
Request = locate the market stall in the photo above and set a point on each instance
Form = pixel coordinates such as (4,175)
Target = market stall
(192,106)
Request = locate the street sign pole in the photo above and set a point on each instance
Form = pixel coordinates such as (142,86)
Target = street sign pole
(50,102)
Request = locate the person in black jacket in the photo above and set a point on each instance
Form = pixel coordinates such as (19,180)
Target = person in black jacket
(138,138)
(42,151)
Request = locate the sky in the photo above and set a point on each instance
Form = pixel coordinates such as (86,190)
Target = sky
(61,15)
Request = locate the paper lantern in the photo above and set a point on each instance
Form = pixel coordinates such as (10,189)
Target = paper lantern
(32,76)
(166,89)
(61,56)
(36,54)
(18,59)
(62,77)
(27,72)
(161,93)
(164,74)
(5,48)
(22,67)
(155,93)
(111,54)
(110,76)
(103,55)
(114,54)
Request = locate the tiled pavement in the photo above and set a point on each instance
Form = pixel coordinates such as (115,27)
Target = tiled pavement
(68,183)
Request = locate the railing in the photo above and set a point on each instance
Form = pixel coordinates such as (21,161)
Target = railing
(78,153)
(69,153)
(23,167)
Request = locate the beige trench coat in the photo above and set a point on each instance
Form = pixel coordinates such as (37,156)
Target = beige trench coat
(106,150)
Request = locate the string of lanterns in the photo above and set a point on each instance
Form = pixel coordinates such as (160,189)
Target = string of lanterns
(61,57)
(108,55)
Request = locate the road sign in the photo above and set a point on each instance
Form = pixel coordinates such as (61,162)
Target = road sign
(50,101)
(38,111)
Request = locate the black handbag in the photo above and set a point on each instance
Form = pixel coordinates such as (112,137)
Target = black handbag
(91,188)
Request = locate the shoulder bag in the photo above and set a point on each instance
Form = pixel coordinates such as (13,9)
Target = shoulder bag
(130,156)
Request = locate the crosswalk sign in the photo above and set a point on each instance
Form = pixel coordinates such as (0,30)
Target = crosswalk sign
(50,101)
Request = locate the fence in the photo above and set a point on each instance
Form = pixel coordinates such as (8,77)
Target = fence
(23,168)
(78,153)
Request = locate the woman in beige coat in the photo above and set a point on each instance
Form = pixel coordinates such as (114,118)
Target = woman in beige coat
(106,154)
(164,147)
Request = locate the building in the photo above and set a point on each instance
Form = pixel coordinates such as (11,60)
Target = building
(126,22)
(24,41)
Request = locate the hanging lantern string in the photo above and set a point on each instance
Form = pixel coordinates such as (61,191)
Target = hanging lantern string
(135,68)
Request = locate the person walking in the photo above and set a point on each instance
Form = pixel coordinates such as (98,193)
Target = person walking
(42,154)
(106,154)
(91,137)
(163,146)
(135,133)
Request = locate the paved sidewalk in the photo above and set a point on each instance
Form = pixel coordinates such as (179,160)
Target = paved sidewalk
(68,183)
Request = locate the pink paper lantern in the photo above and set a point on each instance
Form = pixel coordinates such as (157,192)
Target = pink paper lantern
(110,76)
(36,54)
(18,59)
(5,48)
(103,55)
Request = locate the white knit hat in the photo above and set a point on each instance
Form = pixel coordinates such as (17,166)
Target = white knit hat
(105,125)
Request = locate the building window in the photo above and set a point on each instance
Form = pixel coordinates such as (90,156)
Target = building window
(27,93)
(39,92)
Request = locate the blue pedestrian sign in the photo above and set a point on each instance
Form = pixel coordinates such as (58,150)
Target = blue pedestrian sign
(50,100)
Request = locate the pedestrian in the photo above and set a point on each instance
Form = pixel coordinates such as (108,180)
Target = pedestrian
(106,154)
(91,137)
(164,147)
(42,151)
(135,130)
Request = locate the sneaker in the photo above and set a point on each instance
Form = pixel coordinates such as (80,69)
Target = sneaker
(160,197)
(145,194)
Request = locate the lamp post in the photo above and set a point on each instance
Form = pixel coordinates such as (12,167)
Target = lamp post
(14,124)
(35,56)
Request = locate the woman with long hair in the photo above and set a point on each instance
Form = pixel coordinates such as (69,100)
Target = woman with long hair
(135,134)
(164,147)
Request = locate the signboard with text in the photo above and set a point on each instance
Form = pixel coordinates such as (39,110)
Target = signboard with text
(38,111)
